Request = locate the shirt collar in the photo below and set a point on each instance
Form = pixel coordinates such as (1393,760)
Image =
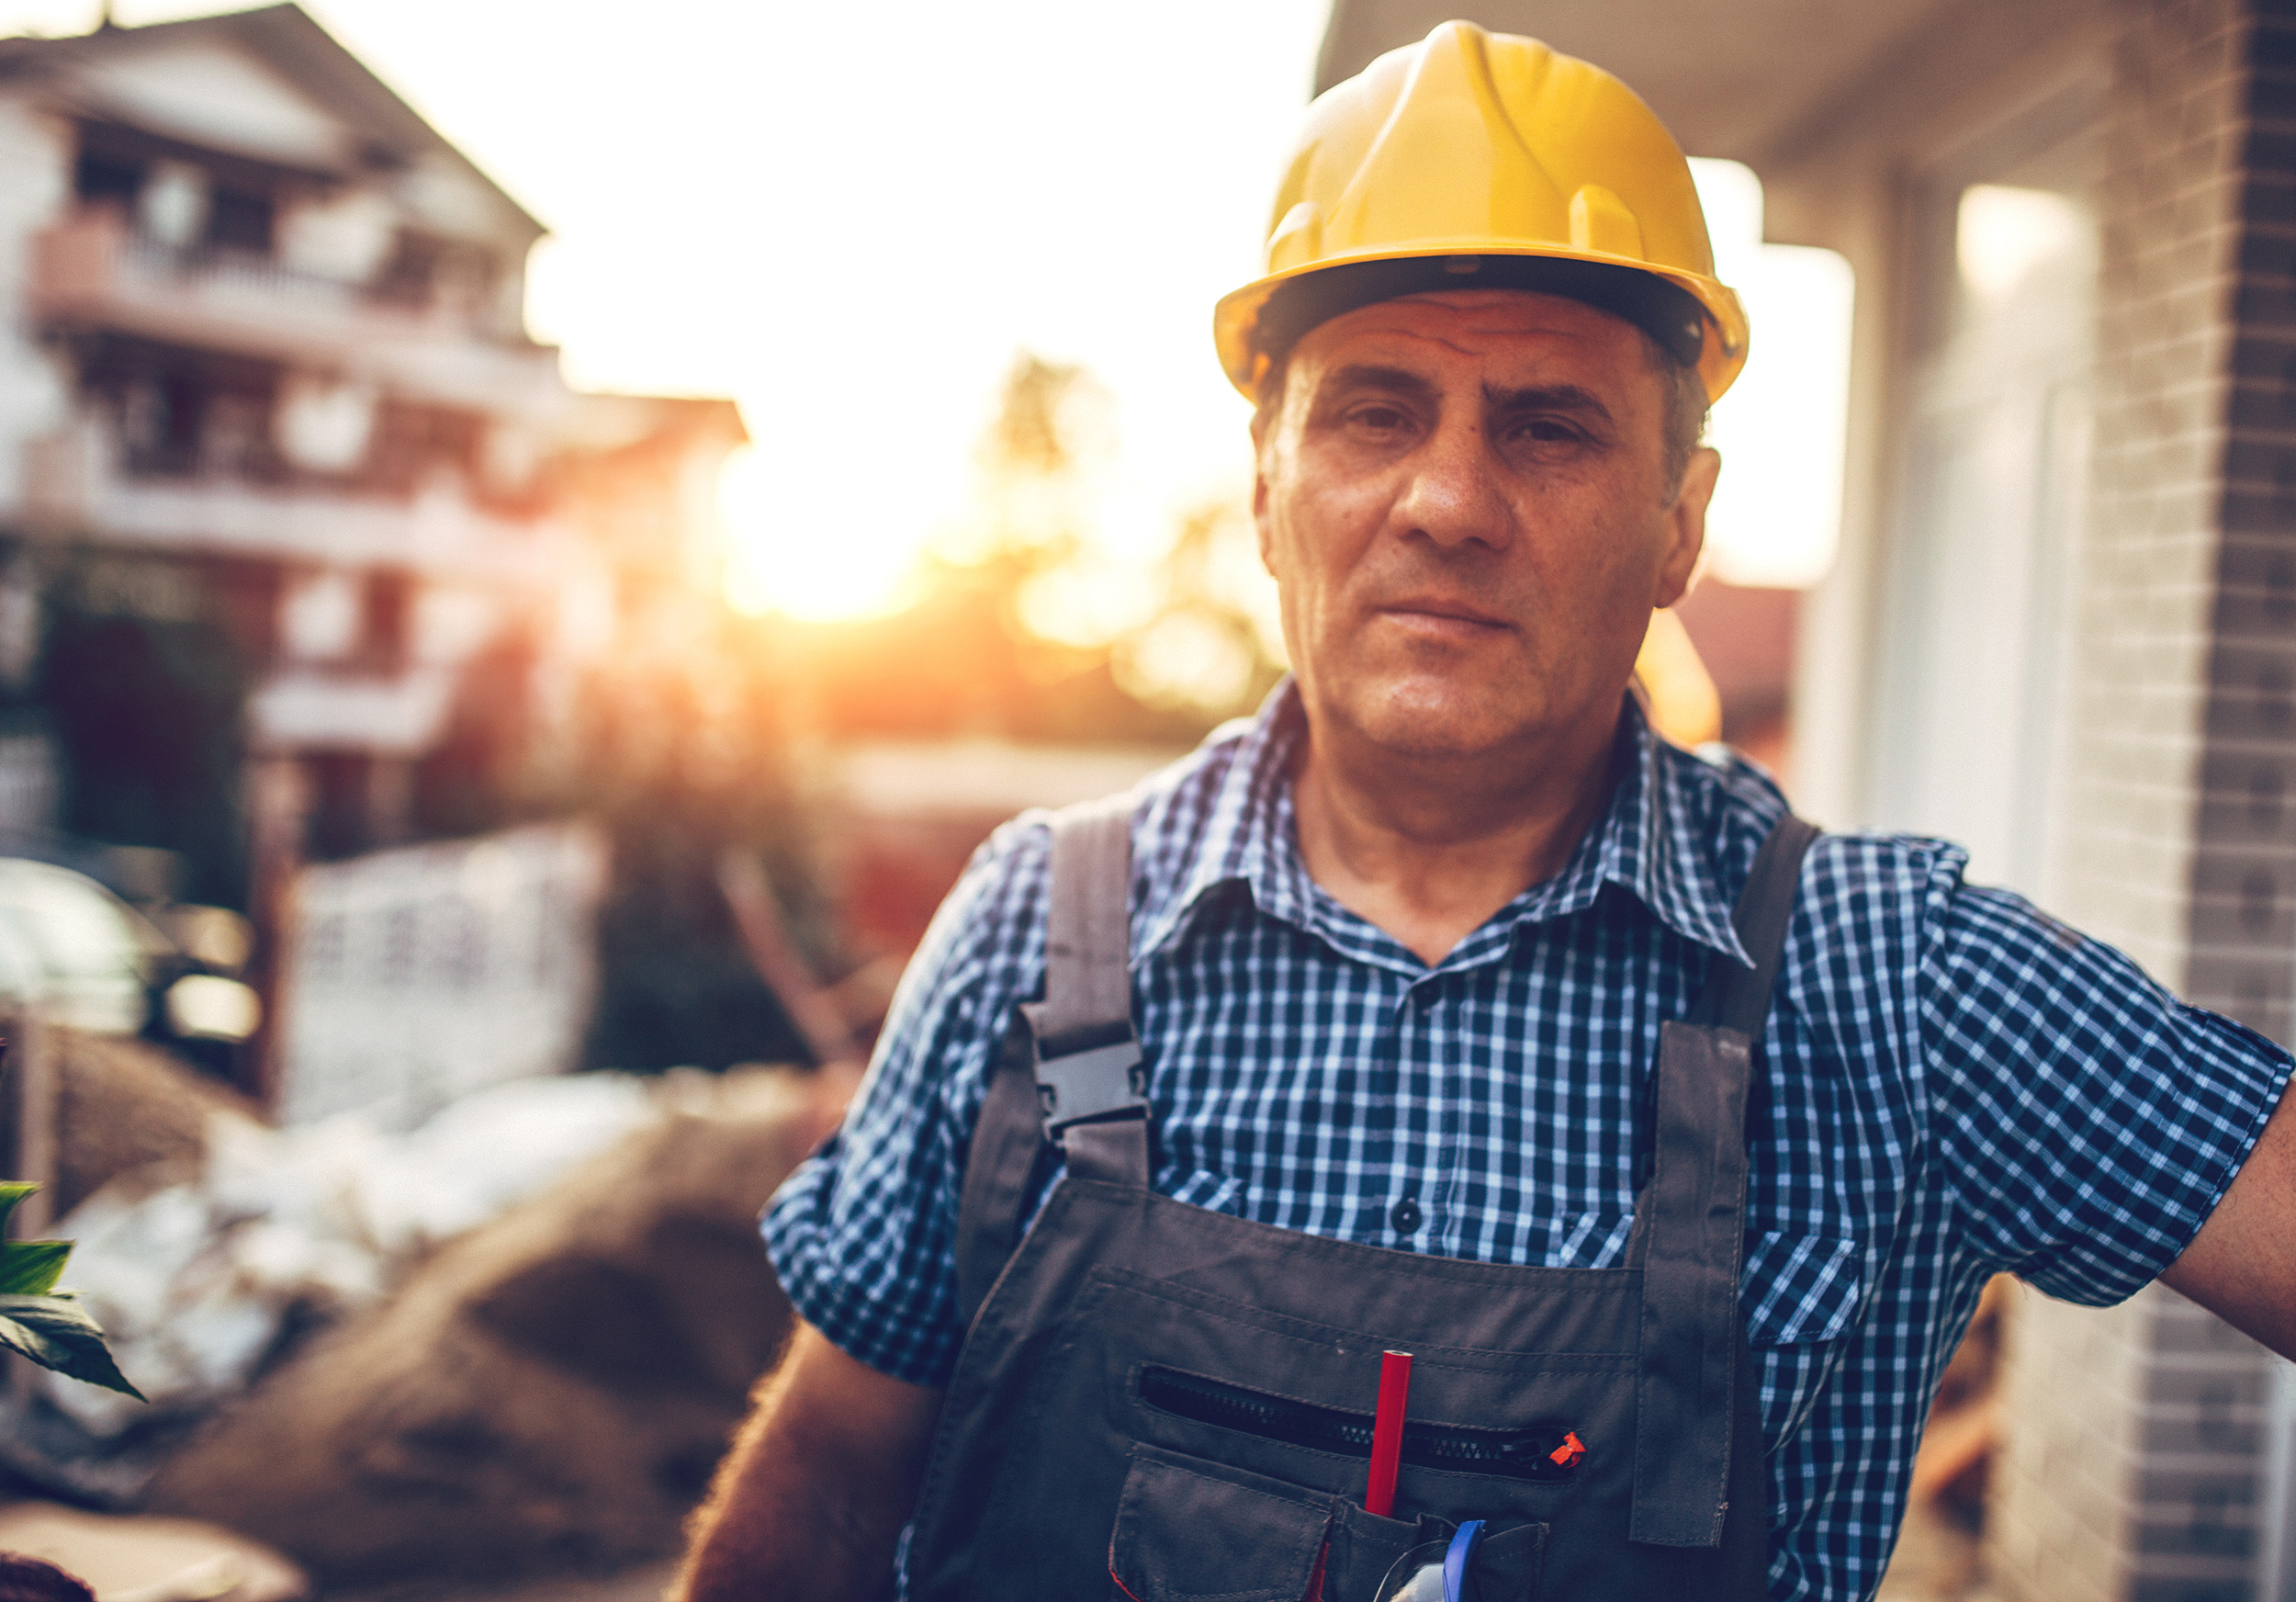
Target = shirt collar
(1649,841)
(1653,840)
(1248,837)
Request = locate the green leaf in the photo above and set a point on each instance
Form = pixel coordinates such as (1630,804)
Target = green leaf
(30,1268)
(11,1192)
(56,1333)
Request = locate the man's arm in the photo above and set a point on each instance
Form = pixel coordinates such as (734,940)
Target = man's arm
(820,1480)
(2242,1266)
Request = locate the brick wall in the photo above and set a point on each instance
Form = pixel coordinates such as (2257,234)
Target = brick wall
(2243,919)
(2134,1449)
(2168,203)
(2055,1528)
(2133,1461)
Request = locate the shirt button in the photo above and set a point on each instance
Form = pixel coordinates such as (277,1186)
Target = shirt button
(1405,1217)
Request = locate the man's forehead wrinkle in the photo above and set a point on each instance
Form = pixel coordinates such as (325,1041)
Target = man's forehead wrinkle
(1474,342)
(1483,314)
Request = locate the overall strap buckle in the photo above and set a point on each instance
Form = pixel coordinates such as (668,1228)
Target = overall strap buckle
(1091,1083)
(1089,1087)
(1070,1075)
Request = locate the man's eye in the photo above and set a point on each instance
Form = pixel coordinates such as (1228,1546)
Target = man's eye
(1380,419)
(1547,431)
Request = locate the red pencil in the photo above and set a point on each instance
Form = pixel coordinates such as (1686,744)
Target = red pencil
(1387,1432)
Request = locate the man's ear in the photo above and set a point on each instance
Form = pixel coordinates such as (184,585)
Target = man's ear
(1262,421)
(1260,520)
(1686,526)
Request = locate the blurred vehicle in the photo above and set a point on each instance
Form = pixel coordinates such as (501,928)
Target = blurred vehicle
(89,961)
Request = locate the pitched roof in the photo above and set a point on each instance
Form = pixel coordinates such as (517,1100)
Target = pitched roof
(292,44)
(604,421)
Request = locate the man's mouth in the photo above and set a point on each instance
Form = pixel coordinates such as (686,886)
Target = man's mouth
(1443,610)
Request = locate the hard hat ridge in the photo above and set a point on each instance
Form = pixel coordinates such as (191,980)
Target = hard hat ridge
(1447,117)
(1485,160)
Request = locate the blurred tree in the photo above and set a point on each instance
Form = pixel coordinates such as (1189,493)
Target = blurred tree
(682,751)
(1213,643)
(146,711)
(481,775)
(1015,635)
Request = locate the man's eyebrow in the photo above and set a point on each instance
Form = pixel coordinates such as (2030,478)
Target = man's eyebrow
(1545,398)
(1370,376)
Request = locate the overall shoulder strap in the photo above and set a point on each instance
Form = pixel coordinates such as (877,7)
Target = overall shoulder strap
(1007,1141)
(1737,997)
(1068,1069)
(1089,932)
(1689,1231)
(1089,1079)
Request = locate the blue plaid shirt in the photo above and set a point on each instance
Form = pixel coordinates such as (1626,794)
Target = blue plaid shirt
(1951,1085)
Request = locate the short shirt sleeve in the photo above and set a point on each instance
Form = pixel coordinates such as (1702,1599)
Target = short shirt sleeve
(2089,1121)
(862,1234)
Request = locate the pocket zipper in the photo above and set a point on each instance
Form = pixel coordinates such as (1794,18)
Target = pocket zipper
(1537,1451)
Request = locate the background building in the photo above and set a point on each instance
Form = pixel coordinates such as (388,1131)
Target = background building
(265,391)
(304,545)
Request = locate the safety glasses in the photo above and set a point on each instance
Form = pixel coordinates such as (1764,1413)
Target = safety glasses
(1437,1572)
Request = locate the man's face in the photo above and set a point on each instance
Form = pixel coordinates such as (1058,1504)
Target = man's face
(1463,498)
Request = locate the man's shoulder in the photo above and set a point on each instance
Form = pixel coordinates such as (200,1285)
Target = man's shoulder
(1731,803)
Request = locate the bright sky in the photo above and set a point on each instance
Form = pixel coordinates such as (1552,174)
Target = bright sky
(850,226)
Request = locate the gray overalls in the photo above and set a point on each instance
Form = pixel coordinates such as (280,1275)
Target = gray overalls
(1159,1401)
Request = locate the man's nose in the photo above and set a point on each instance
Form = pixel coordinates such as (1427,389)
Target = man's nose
(1453,498)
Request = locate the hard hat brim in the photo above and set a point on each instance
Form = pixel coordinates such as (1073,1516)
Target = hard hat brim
(1237,318)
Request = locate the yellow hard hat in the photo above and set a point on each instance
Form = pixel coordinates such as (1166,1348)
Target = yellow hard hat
(1475,160)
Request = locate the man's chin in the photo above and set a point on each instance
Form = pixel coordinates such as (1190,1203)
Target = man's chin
(1441,721)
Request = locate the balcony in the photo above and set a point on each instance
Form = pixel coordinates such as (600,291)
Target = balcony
(92,272)
(74,486)
(403,716)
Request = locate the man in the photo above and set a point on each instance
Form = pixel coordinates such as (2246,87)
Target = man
(1470,1018)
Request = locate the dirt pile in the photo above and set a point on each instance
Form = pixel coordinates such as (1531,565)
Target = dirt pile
(125,1107)
(551,1391)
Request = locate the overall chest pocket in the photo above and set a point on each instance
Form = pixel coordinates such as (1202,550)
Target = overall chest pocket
(1189,1530)
(1800,1294)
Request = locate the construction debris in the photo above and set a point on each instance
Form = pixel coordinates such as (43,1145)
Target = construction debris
(511,1343)
(124,1106)
(269,1231)
(551,1391)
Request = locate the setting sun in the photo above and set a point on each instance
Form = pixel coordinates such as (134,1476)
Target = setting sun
(774,564)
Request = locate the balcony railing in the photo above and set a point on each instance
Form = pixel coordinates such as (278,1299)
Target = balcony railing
(74,485)
(92,271)
(232,275)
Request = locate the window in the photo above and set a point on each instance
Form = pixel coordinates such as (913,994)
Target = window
(409,273)
(96,178)
(1996,442)
(239,219)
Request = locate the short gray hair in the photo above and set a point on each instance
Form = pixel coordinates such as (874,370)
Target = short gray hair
(1686,408)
